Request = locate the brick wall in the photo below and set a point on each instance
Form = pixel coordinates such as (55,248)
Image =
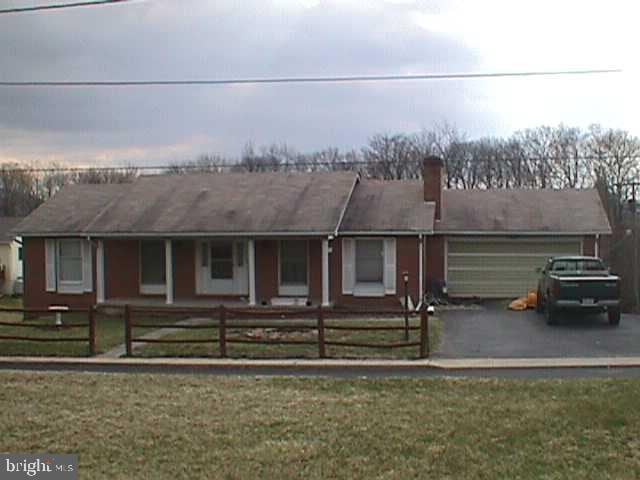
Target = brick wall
(35,294)
(407,259)
(434,259)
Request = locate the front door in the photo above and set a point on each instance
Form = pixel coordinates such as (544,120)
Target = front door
(293,268)
(223,267)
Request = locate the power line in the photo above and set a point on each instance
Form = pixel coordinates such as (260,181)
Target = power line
(260,165)
(59,6)
(330,79)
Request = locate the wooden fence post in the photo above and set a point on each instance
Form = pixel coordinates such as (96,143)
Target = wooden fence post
(127,330)
(405,277)
(321,346)
(424,332)
(92,332)
(223,332)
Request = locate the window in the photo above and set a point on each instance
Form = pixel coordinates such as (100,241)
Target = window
(369,261)
(293,262)
(152,263)
(577,265)
(222,261)
(70,261)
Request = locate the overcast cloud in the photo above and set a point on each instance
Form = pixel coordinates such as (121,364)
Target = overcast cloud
(197,39)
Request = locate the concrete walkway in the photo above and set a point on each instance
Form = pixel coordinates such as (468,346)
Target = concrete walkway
(121,350)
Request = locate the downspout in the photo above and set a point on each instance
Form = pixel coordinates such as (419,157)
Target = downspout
(597,245)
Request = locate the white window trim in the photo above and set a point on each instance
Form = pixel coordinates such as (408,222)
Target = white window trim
(367,289)
(69,286)
(292,289)
(149,288)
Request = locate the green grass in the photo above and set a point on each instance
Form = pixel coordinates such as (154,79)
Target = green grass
(243,350)
(109,333)
(174,427)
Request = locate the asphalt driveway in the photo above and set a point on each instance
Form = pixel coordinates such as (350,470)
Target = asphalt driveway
(494,331)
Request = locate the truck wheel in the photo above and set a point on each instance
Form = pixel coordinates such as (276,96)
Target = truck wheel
(539,304)
(552,316)
(614,316)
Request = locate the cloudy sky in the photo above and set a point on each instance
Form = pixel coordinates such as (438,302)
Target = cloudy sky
(210,39)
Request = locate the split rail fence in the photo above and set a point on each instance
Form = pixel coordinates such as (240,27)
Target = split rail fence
(224,319)
(32,325)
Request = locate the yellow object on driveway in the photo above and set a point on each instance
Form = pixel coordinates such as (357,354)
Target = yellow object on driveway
(523,303)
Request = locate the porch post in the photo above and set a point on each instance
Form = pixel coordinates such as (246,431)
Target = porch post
(252,272)
(325,272)
(100,272)
(168,263)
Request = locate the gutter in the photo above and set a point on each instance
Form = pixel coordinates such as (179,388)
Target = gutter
(84,234)
(533,233)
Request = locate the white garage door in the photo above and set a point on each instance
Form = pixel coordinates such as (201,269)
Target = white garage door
(501,267)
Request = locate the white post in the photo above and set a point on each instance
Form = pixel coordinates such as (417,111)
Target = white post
(420,269)
(168,260)
(325,273)
(100,272)
(252,272)
(597,246)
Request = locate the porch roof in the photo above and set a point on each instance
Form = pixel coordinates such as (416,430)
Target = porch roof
(234,203)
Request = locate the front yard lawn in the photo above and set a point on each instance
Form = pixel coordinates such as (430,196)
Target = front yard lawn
(174,427)
(248,350)
(109,332)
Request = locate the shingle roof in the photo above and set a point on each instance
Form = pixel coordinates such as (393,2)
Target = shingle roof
(6,228)
(271,203)
(200,203)
(70,210)
(522,210)
(388,206)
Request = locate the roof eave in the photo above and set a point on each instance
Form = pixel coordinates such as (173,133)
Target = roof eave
(522,232)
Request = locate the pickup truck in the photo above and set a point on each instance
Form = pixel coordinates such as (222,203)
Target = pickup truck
(580,284)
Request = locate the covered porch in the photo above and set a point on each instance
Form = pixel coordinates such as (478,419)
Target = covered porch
(210,271)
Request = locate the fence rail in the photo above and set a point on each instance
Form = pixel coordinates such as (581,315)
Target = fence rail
(224,319)
(90,338)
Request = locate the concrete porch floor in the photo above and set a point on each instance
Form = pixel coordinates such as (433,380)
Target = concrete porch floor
(159,302)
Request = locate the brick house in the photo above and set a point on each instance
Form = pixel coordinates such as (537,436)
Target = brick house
(319,238)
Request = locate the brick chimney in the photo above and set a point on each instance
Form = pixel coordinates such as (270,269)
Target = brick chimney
(432,174)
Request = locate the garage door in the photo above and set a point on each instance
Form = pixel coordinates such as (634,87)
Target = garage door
(501,267)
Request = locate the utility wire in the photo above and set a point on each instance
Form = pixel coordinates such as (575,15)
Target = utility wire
(59,6)
(241,166)
(331,79)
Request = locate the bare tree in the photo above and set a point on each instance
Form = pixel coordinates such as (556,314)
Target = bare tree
(18,191)
(392,157)
(613,158)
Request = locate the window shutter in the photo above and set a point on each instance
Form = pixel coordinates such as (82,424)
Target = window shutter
(50,265)
(348,265)
(87,266)
(390,266)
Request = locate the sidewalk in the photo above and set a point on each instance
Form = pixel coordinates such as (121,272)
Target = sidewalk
(444,364)
(121,350)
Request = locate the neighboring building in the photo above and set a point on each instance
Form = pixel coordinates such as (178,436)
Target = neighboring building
(329,238)
(10,256)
